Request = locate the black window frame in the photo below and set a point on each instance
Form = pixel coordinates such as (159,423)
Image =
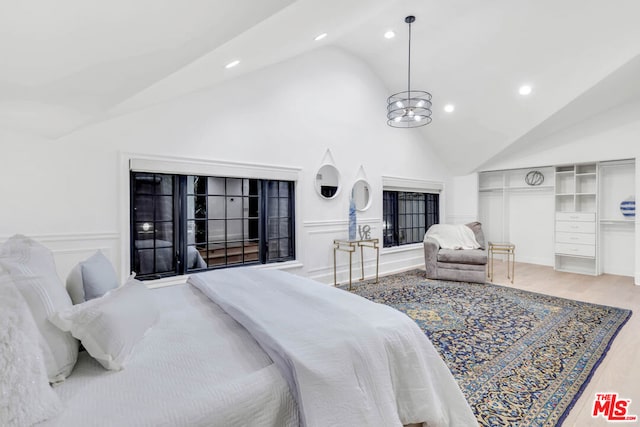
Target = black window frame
(396,232)
(181,220)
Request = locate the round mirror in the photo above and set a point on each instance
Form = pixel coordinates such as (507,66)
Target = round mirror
(361,193)
(328,181)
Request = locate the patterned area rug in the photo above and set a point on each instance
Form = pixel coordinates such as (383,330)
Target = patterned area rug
(520,358)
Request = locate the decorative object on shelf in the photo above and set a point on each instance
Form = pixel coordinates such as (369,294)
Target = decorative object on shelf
(411,108)
(534,178)
(328,178)
(364,231)
(628,207)
(352,219)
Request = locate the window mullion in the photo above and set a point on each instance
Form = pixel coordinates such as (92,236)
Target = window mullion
(180,223)
(263,218)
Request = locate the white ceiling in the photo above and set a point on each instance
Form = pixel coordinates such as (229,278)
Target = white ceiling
(70,63)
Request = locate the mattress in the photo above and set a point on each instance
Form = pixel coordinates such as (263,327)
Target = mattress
(197,366)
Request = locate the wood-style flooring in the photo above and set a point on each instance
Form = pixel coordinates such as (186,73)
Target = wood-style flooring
(619,372)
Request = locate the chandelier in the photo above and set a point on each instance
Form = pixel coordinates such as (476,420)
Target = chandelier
(411,108)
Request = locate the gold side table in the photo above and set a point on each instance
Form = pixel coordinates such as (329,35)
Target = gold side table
(350,246)
(503,248)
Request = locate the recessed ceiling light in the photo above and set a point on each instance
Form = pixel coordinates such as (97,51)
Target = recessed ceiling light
(389,35)
(320,36)
(524,90)
(449,108)
(232,64)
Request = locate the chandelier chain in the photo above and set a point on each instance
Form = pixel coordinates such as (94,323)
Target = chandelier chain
(409,67)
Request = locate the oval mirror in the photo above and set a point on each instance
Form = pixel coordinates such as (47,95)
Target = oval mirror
(361,193)
(328,181)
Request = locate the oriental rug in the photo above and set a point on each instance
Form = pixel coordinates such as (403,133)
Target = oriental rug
(520,358)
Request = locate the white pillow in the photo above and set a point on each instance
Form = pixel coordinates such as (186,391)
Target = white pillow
(26,397)
(110,326)
(33,271)
(91,278)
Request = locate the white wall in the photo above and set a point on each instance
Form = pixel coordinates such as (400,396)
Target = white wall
(462,199)
(286,115)
(611,136)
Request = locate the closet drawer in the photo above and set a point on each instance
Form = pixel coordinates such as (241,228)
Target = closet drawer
(581,238)
(576,216)
(576,226)
(573,249)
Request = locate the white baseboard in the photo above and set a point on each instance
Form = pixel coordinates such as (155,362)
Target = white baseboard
(389,264)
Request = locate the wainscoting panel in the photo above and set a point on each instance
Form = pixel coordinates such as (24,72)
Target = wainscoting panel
(318,249)
(69,249)
(392,260)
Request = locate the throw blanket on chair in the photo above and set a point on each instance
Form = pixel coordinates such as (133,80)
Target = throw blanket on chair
(451,236)
(348,361)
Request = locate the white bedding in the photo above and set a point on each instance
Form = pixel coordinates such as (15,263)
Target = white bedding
(196,367)
(348,361)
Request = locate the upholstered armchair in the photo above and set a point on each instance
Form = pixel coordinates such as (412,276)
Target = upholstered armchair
(462,265)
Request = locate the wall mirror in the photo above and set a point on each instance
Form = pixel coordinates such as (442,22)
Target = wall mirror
(361,194)
(328,181)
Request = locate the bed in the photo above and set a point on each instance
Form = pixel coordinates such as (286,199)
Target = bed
(177,377)
(231,347)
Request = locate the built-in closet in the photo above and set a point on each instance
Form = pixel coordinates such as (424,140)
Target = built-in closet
(567,216)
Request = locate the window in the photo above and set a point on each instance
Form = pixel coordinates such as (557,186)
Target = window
(407,216)
(187,223)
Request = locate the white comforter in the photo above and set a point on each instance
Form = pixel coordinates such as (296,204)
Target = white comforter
(347,360)
(196,368)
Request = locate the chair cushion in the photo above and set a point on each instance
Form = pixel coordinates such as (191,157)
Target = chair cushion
(463,256)
(470,267)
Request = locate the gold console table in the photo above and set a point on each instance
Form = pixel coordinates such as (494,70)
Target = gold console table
(351,246)
(503,248)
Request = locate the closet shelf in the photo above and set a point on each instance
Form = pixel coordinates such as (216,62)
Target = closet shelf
(530,187)
(617,221)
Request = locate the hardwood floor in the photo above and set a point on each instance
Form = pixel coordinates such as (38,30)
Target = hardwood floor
(619,371)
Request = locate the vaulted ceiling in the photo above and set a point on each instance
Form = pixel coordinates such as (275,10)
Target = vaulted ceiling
(71,63)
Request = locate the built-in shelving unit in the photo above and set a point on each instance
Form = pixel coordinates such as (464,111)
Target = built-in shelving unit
(503,207)
(617,233)
(617,181)
(571,221)
(576,234)
(514,180)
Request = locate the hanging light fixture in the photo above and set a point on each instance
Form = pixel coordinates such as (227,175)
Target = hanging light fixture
(411,108)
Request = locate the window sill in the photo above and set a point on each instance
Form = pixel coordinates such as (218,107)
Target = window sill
(166,281)
(180,280)
(403,248)
(285,265)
